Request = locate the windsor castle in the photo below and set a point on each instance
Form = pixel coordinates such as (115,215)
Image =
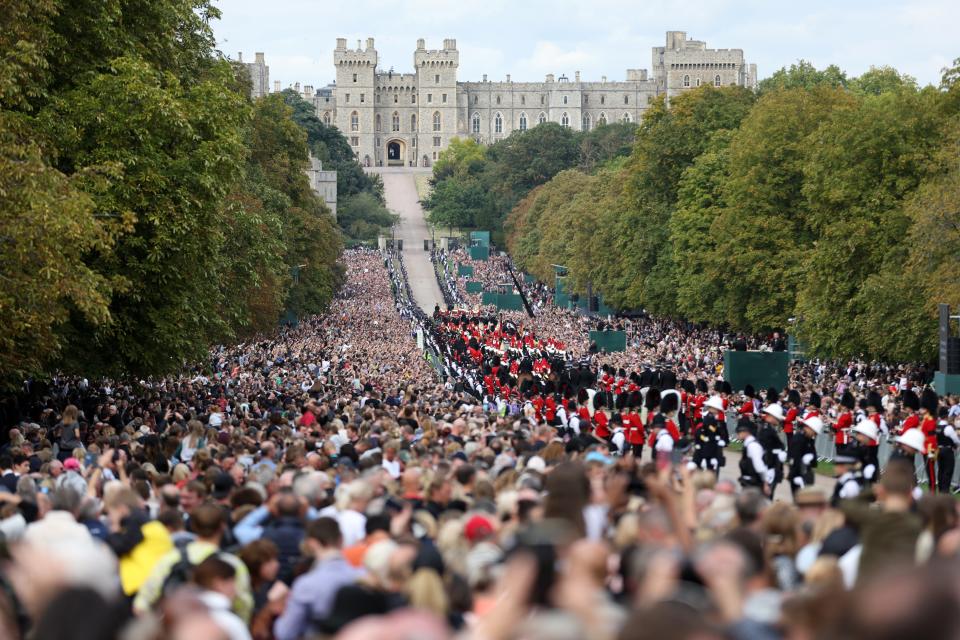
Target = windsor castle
(406,119)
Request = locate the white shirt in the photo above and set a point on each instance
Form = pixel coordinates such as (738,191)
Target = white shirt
(664,441)
(352,526)
(219,608)
(393,468)
(754,451)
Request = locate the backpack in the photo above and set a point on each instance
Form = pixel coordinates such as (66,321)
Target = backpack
(180,573)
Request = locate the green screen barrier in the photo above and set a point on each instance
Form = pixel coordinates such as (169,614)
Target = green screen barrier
(480,253)
(762,369)
(481,238)
(474,286)
(464,270)
(609,341)
(502,301)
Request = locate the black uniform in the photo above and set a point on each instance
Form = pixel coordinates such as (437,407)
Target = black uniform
(774,450)
(869,461)
(708,444)
(946,457)
(802,462)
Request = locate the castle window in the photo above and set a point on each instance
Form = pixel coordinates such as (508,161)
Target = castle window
(395,121)
(603,99)
(376,97)
(396,98)
(326,117)
(476,123)
(523,122)
(354,141)
(716,80)
(565,120)
(498,123)
(354,121)
(436,78)
(413,143)
(436,141)
(586,99)
(541,118)
(626,118)
(347,98)
(523,100)
(413,98)
(698,82)
(377,123)
(362,97)
(541,100)
(626,99)
(686,81)
(476,99)
(413,123)
(586,122)
(436,121)
(354,77)
(429,98)
(498,99)
(564,99)
(443,98)
(602,120)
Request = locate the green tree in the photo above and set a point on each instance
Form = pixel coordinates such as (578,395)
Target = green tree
(455,203)
(803,75)
(763,232)
(882,80)
(363,217)
(863,162)
(606,142)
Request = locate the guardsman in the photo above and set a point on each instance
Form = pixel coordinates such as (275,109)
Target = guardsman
(753,469)
(849,481)
(790,421)
(633,424)
(910,402)
(844,423)
(769,437)
(804,458)
(866,435)
(909,444)
(929,403)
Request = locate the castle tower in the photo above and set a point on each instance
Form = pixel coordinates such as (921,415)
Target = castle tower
(436,72)
(356,81)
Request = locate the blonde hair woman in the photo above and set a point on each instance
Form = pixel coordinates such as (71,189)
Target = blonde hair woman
(195,439)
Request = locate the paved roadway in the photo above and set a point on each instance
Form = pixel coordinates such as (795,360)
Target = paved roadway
(400,193)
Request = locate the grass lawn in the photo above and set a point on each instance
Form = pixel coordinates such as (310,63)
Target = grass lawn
(422,181)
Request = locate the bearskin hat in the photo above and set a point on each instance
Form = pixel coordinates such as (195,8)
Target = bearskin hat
(815,400)
(702,386)
(910,399)
(848,400)
(652,400)
(773,396)
(749,391)
(726,388)
(688,386)
(874,400)
(622,401)
(793,397)
(929,401)
(636,400)
(669,402)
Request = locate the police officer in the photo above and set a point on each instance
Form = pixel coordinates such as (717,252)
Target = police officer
(753,469)
(709,439)
(849,481)
(865,436)
(769,437)
(947,443)
(804,449)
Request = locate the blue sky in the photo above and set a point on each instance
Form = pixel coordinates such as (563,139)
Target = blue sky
(498,37)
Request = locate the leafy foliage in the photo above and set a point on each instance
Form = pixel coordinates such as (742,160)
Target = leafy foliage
(149,207)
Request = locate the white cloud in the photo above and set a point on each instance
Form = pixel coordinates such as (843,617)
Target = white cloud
(528,40)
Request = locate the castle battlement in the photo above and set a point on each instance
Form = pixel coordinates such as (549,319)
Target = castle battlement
(407,119)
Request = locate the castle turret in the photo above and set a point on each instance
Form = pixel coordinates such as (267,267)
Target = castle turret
(356,82)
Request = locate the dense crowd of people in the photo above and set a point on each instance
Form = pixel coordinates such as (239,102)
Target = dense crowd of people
(328,481)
